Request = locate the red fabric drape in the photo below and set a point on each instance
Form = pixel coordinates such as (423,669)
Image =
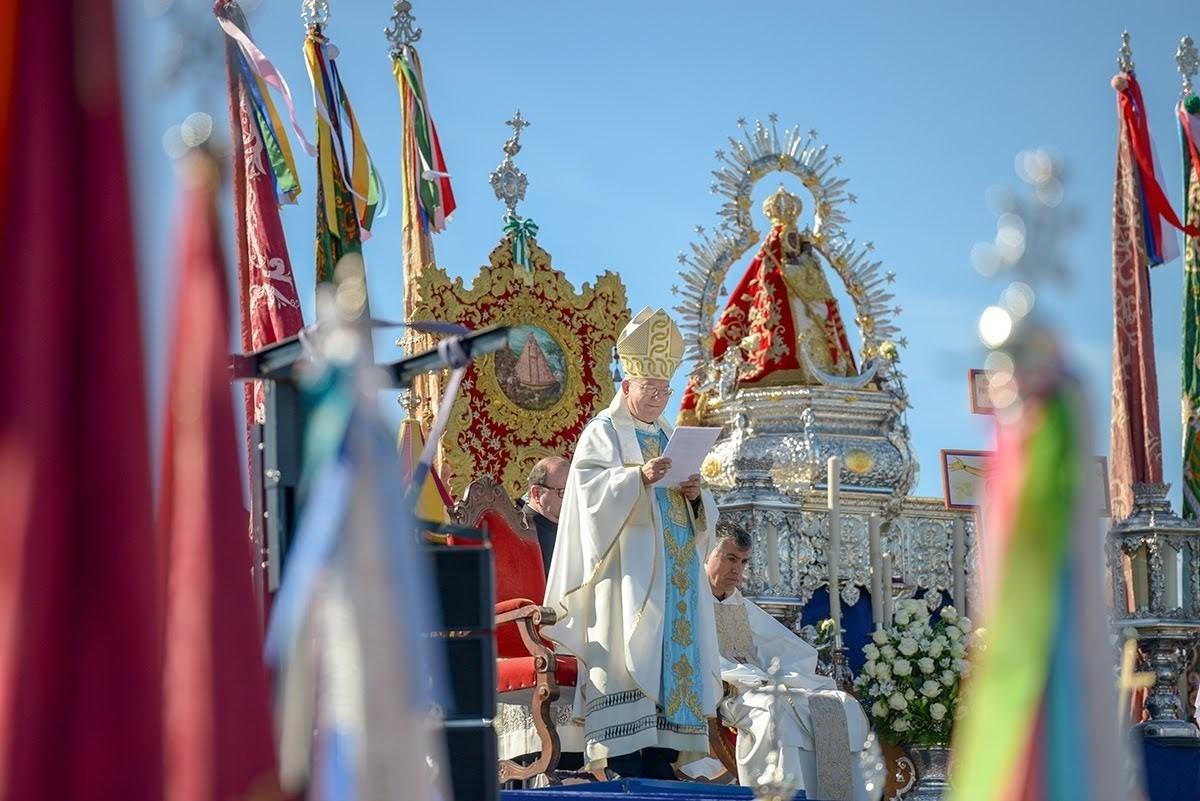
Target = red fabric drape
(1132,110)
(80,620)
(216,702)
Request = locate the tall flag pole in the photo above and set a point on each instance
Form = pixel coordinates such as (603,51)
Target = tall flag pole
(349,192)
(1040,719)
(1139,209)
(1187,112)
(216,703)
(428,203)
(80,606)
(264,177)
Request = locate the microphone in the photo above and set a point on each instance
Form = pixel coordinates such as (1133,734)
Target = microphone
(453,352)
(276,361)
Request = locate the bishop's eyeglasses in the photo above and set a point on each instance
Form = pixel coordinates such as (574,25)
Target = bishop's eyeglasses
(654,393)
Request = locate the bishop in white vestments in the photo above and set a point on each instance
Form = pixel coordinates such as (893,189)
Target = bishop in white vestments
(816,730)
(627,576)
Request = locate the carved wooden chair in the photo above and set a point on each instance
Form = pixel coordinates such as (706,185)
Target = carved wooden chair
(722,743)
(526,665)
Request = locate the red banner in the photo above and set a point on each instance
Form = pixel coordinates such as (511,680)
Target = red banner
(1136,455)
(80,612)
(216,704)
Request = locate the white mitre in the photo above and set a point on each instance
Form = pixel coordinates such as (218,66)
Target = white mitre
(650,346)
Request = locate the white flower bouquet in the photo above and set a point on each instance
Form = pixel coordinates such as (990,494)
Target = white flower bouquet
(909,683)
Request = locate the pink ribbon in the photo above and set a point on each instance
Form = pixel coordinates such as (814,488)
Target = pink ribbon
(264,69)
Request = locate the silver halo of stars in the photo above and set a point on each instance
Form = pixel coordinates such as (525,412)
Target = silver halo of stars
(762,151)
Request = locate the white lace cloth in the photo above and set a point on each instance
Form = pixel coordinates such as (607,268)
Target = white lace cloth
(516,735)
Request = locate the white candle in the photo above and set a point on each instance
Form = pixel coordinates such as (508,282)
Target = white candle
(957,567)
(876,571)
(773,557)
(1171,564)
(834,550)
(887,589)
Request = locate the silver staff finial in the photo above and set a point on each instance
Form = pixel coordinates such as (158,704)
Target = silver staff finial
(1125,58)
(402,32)
(1188,62)
(314,12)
(508,182)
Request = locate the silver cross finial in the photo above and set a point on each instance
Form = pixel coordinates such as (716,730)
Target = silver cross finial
(314,12)
(508,182)
(1188,62)
(517,123)
(402,32)
(1125,57)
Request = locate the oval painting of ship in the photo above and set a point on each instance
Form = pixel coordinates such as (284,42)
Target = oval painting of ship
(531,369)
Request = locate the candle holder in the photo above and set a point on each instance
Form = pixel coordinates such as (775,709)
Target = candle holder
(1154,565)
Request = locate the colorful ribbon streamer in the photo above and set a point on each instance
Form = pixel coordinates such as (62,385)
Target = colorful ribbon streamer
(340,167)
(1155,204)
(1040,720)
(258,73)
(433,193)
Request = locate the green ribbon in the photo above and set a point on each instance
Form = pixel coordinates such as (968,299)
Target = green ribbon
(521,231)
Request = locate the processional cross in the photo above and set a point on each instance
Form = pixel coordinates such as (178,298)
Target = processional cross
(508,181)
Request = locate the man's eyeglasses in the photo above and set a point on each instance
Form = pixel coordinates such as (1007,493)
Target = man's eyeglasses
(654,393)
(556,490)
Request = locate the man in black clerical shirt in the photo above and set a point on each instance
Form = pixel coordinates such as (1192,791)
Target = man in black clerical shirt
(546,482)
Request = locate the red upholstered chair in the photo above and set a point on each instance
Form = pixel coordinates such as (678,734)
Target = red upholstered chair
(526,665)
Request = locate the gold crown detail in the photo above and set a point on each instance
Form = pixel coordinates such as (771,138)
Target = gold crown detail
(650,346)
(783,208)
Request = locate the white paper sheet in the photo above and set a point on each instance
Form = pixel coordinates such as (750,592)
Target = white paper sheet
(686,449)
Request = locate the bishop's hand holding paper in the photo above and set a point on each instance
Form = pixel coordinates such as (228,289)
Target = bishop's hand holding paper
(626,577)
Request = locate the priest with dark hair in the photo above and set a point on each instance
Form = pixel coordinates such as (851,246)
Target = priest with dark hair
(547,481)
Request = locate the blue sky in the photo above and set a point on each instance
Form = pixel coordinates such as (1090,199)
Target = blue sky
(928,103)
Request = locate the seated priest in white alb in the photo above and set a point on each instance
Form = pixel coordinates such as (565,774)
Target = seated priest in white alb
(817,730)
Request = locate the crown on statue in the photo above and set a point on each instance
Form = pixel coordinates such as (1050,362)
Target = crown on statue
(650,346)
(783,208)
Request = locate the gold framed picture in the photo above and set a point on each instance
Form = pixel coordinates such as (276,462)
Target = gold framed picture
(981,397)
(964,477)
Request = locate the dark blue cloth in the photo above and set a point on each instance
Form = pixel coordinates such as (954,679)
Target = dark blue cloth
(856,623)
(1172,771)
(634,790)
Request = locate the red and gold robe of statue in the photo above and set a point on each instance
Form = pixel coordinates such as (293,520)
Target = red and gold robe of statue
(760,315)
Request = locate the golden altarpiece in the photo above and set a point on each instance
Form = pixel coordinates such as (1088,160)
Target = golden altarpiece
(531,399)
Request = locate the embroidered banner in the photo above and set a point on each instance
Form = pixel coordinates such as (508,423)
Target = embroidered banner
(1191,312)
(1136,437)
